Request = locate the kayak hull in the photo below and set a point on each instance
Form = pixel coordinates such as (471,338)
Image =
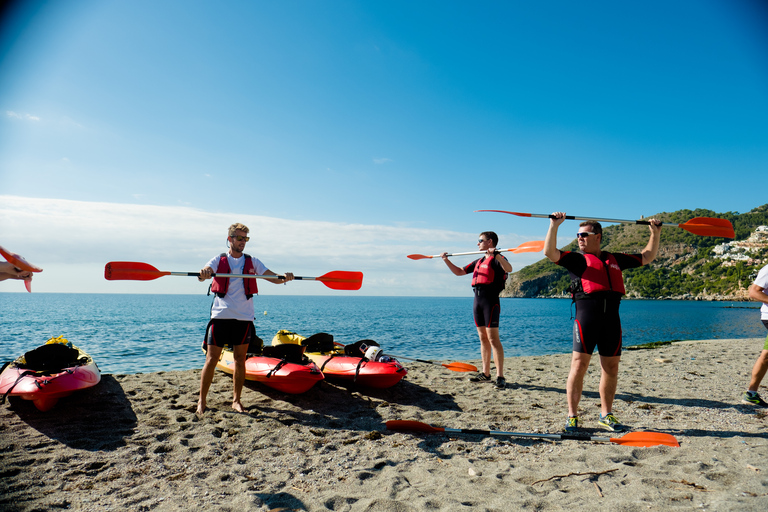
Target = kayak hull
(372,374)
(338,366)
(45,389)
(276,373)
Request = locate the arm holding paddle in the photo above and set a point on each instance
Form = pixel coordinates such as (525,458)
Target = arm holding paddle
(652,249)
(9,271)
(550,242)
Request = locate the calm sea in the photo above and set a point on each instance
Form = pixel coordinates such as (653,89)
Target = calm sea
(147,333)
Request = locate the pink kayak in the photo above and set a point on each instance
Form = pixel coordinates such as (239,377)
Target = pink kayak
(51,371)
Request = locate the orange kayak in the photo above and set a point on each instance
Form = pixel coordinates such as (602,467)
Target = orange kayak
(349,369)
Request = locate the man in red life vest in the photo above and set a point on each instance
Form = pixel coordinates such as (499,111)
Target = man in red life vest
(597,287)
(232,311)
(489,275)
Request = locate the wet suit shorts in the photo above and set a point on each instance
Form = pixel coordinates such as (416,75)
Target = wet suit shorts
(486,308)
(598,325)
(231,332)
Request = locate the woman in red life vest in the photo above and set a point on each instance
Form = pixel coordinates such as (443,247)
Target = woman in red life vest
(597,286)
(489,275)
(232,311)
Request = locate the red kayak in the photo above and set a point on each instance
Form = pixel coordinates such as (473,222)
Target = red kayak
(337,365)
(275,370)
(51,371)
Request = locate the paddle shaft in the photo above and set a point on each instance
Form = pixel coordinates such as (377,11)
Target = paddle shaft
(566,436)
(573,217)
(412,359)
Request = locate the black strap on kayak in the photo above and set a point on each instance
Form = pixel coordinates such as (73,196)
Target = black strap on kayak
(21,376)
(279,365)
(357,370)
(326,361)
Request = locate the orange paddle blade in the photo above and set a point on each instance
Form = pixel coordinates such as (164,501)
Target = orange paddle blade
(532,246)
(460,367)
(709,226)
(18,262)
(646,439)
(419,256)
(342,280)
(131,270)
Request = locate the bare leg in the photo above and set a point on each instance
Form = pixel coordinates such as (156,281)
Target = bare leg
(575,384)
(485,350)
(608,380)
(238,379)
(492,334)
(759,370)
(206,376)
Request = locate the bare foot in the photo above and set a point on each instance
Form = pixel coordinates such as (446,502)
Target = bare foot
(238,406)
(200,409)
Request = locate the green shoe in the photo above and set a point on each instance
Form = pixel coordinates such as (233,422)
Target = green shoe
(610,422)
(754,398)
(572,424)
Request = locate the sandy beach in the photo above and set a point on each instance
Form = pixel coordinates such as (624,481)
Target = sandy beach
(133,442)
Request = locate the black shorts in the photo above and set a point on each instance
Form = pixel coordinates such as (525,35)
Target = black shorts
(598,325)
(486,309)
(229,332)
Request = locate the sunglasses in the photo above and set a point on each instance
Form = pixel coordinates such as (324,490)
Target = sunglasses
(584,234)
(241,238)
(481,241)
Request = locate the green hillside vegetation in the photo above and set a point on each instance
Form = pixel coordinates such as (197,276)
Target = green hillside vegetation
(684,268)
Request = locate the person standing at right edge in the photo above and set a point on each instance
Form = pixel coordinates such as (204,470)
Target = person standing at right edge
(597,287)
(759,291)
(489,275)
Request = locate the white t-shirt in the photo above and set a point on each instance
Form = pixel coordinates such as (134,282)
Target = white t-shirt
(234,304)
(762,282)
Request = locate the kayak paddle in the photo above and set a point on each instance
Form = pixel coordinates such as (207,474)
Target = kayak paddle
(22,264)
(137,271)
(456,367)
(644,439)
(702,226)
(533,246)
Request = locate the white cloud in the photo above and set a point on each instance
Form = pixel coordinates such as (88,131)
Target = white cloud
(24,117)
(73,240)
(381,160)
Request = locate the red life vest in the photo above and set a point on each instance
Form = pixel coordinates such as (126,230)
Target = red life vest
(221,284)
(484,273)
(599,278)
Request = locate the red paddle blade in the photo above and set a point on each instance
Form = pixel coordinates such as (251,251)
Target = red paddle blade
(412,426)
(342,280)
(646,439)
(532,246)
(709,226)
(460,367)
(505,211)
(419,256)
(131,271)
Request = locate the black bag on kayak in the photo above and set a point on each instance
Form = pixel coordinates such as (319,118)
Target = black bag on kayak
(51,358)
(288,351)
(320,342)
(355,349)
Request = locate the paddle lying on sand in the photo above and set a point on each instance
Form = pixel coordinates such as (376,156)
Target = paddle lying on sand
(456,367)
(533,246)
(644,439)
(137,271)
(20,263)
(702,226)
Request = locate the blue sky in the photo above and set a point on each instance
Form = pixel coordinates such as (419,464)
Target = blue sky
(348,134)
